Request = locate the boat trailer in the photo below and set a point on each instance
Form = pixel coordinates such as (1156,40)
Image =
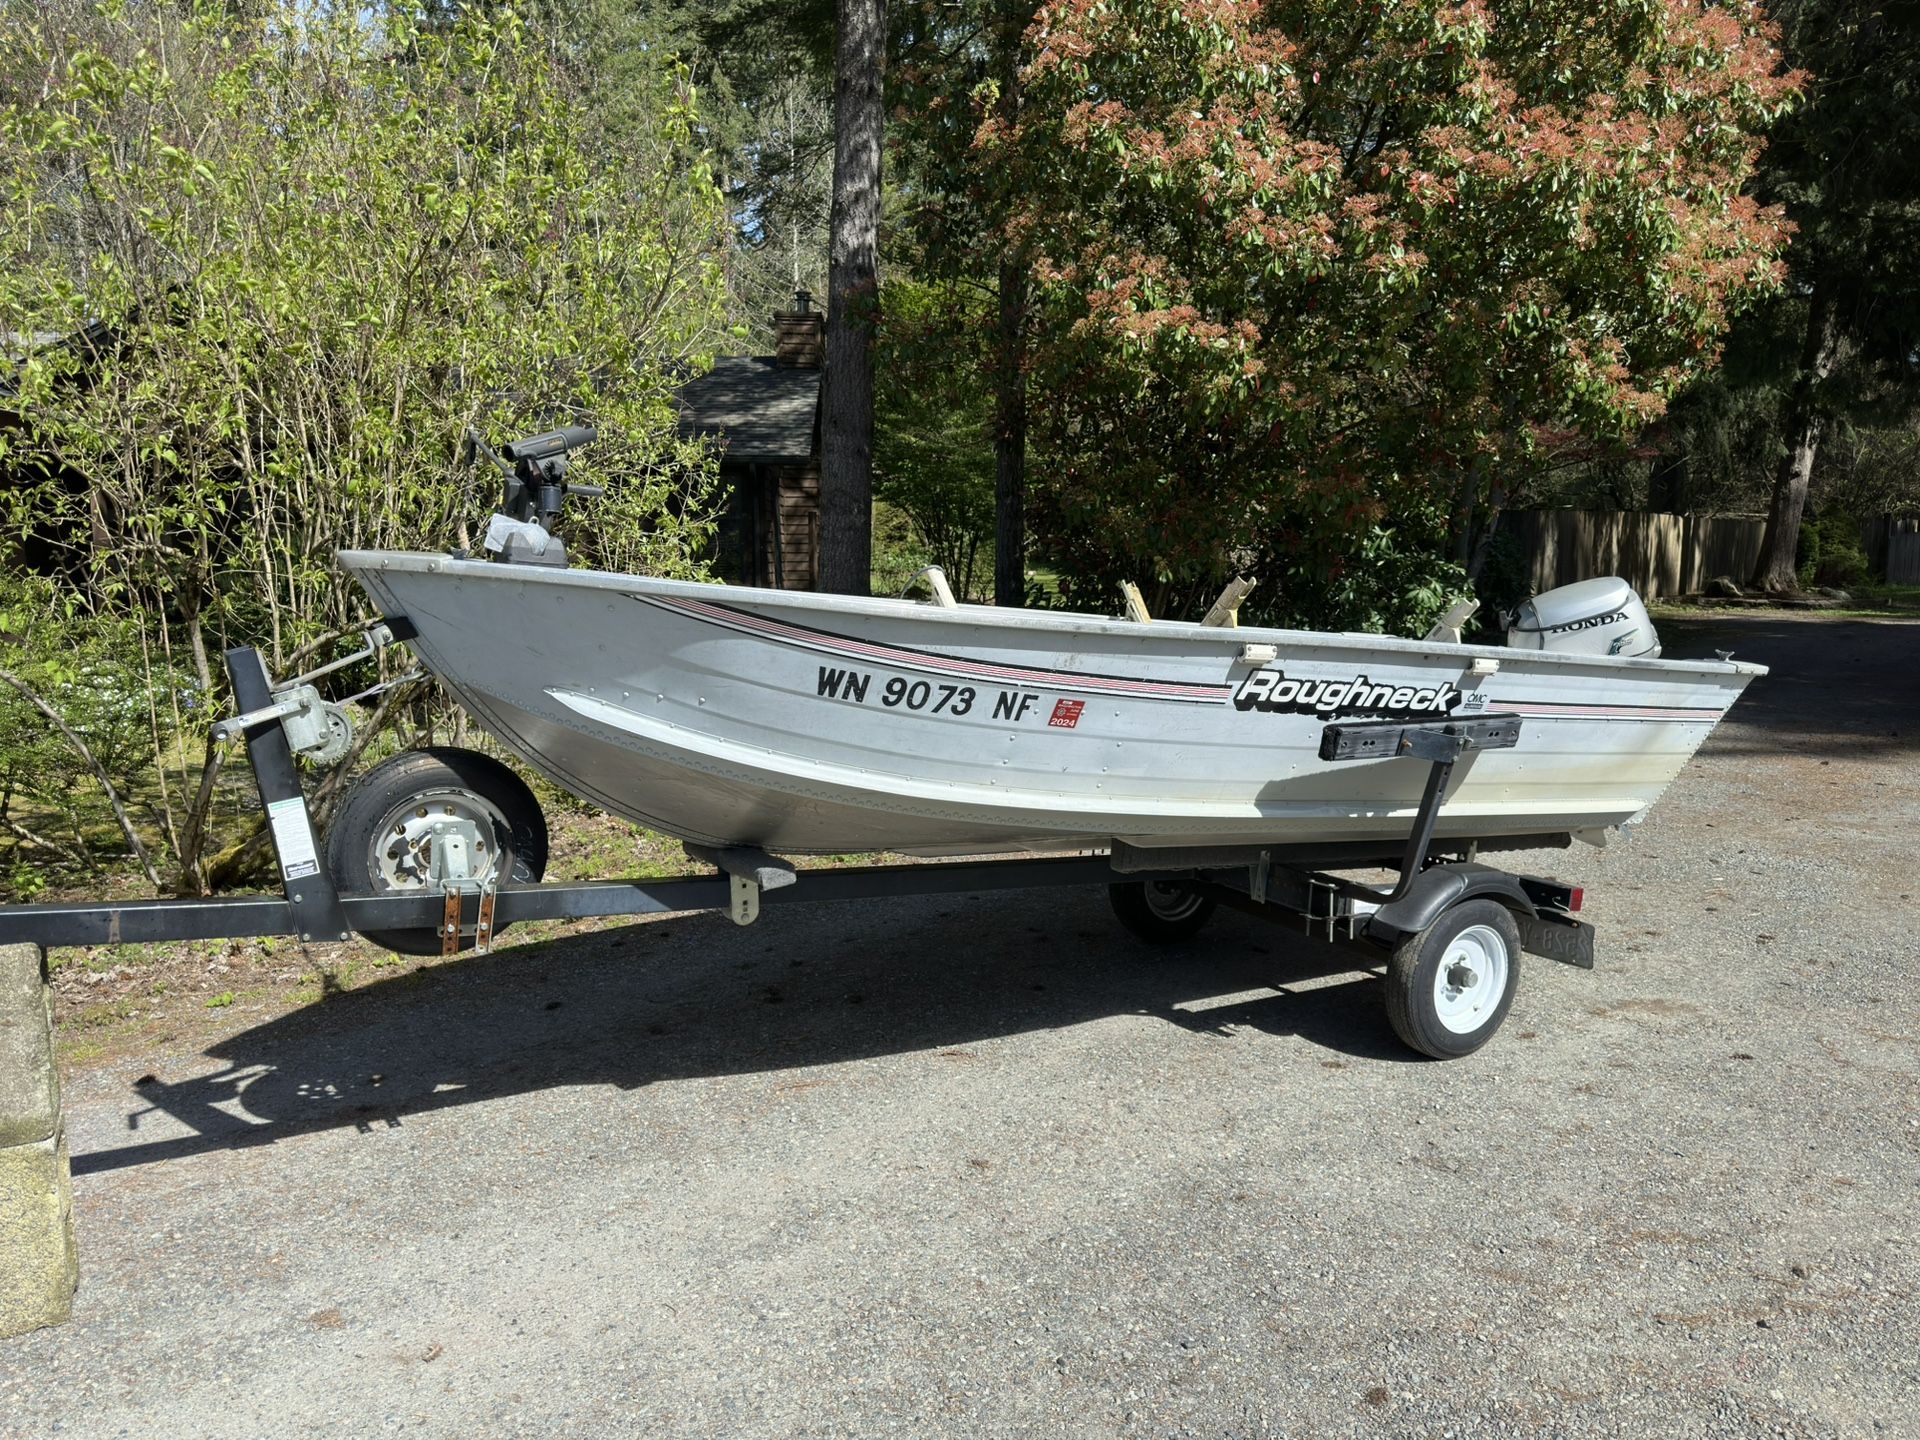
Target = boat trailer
(1449,930)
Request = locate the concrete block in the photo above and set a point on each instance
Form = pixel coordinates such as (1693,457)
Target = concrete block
(39,1266)
(29,1084)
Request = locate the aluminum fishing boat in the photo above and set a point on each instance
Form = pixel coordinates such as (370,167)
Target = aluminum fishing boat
(1201,763)
(1197,763)
(808,723)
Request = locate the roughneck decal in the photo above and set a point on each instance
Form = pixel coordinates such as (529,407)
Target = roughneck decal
(1272,690)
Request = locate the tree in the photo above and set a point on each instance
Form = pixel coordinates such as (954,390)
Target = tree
(933,453)
(962,69)
(1010,333)
(765,73)
(1311,269)
(1847,168)
(846,407)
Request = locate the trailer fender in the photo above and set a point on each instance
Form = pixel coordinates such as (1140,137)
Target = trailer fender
(1440,888)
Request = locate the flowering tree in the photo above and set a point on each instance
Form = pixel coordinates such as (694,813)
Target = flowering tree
(1313,279)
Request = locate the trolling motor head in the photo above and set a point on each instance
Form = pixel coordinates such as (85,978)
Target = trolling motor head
(536,491)
(537,484)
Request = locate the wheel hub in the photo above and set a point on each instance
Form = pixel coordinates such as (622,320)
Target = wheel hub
(1471,979)
(428,839)
(1172,902)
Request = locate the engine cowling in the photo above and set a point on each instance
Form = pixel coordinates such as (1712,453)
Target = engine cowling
(1593,617)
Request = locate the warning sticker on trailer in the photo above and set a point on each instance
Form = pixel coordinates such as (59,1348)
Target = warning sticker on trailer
(1066,714)
(293,838)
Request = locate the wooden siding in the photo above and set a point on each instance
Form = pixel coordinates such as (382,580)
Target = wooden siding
(797,494)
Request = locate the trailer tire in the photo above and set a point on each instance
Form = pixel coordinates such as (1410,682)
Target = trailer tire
(371,850)
(1450,985)
(1158,910)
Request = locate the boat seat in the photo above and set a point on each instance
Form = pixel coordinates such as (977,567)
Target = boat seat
(1226,610)
(936,581)
(1446,630)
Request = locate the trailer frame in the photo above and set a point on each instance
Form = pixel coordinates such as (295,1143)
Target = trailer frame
(1296,885)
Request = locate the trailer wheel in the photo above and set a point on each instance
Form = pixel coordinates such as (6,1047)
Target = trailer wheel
(1450,986)
(1159,910)
(378,842)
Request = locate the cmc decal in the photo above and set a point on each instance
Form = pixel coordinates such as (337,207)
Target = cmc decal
(1275,691)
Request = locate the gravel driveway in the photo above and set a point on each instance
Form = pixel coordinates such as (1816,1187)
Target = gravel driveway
(990,1167)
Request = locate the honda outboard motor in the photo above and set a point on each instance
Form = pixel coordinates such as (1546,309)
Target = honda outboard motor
(1594,617)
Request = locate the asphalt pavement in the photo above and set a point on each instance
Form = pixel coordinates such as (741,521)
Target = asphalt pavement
(988,1166)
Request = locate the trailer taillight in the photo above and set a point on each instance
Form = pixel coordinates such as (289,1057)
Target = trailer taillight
(1576,897)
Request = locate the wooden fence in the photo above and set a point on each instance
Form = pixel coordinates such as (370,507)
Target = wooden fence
(1893,548)
(1659,555)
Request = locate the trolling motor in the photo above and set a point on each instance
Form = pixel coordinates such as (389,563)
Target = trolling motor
(521,533)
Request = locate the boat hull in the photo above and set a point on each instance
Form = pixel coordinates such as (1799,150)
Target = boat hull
(820,724)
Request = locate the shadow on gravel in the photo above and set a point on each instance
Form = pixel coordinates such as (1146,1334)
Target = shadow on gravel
(696,996)
(1837,687)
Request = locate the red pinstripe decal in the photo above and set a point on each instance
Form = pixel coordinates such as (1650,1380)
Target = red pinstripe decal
(947,664)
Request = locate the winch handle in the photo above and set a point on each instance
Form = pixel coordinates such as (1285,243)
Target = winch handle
(476,447)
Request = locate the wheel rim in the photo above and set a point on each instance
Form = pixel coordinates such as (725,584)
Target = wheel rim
(1172,902)
(400,854)
(1470,979)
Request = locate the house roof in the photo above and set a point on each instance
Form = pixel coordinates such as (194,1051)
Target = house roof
(760,411)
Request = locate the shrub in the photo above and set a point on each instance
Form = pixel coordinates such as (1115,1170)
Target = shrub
(295,252)
(1840,557)
(1806,552)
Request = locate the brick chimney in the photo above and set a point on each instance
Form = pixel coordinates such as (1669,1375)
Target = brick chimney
(800,334)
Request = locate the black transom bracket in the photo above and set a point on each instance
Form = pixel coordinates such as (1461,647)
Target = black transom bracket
(1436,739)
(1438,742)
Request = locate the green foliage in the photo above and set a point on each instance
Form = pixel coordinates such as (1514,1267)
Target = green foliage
(1831,552)
(1806,553)
(1870,469)
(101,679)
(1846,168)
(897,552)
(933,449)
(1846,165)
(1386,579)
(766,125)
(295,252)
(1304,270)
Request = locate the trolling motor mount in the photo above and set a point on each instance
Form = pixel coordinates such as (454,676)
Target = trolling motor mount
(536,492)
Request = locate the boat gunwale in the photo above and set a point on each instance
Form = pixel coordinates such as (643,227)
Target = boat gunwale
(1063,622)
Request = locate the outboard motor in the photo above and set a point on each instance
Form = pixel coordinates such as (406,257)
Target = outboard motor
(1594,617)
